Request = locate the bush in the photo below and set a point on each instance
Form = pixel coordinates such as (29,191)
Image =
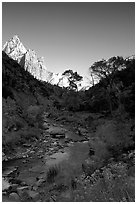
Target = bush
(111,139)
(110,183)
(71,101)
(33,115)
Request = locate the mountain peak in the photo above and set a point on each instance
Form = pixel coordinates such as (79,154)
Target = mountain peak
(29,60)
(14,48)
(16,38)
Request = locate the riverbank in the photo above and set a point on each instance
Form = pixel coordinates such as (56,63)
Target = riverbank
(58,166)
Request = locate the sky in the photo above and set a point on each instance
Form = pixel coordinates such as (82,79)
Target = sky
(71,35)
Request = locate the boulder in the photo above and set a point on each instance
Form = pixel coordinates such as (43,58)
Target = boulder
(45,126)
(82,131)
(22,191)
(34,195)
(14,197)
(5,185)
(57,132)
(40,182)
(4,157)
(60,136)
(9,171)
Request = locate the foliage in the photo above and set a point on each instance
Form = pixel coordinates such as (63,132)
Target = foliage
(111,139)
(107,68)
(71,101)
(116,78)
(73,78)
(109,184)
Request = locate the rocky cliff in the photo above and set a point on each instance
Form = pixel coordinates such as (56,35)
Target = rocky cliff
(15,49)
(26,58)
(29,60)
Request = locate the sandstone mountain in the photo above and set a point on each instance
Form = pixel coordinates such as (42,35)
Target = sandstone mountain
(26,58)
(29,60)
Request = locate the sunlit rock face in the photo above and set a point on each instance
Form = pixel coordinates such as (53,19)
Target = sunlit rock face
(14,48)
(60,80)
(29,60)
(26,58)
(35,65)
(63,81)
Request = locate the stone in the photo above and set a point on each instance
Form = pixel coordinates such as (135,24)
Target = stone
(27,145)
(51,149)
(39,182)
(56,149)
(9,171)
(4,157)
(40,156)
(5,184)
(60,136)
(24,156)
(82,131)
(22,190)
(45,126)
(55,143)
(4,193)
(32,152)
(14,196)
(34,195)
(13,187)
(57,132)
(24,161)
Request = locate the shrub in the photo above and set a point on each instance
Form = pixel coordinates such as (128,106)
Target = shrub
(111,139)
(110,183)
(34,115)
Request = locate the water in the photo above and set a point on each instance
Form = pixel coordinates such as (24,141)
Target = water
(69,162)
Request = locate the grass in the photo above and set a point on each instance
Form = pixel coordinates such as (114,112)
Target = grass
(52,173)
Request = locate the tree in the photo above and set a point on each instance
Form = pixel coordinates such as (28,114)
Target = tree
(73,78)
(105,70)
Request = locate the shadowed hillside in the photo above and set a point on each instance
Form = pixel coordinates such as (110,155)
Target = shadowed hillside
(60,144)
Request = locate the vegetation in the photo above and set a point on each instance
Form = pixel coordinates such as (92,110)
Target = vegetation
(73,78)
(106,111)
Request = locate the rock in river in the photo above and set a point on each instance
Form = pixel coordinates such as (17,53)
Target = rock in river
(5,184)
(57,132)
(34,195)
(14,197)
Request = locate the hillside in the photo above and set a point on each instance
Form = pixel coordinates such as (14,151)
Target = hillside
(62,145)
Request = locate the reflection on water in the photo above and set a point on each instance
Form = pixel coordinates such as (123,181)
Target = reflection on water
(69,163)
(57,158)
(69,166)
(72,135)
